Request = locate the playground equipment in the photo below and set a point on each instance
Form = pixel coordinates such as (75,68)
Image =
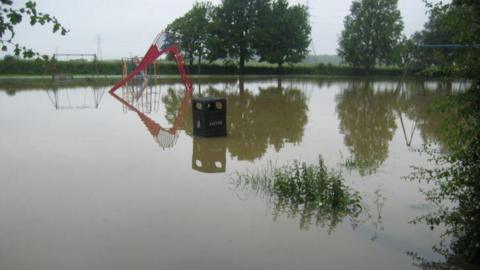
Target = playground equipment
(135,82)
(66,72)
(163,43)
(129,64)
(143,95)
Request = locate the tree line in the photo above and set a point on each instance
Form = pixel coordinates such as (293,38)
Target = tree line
(270,31)
(273,31)
(448,44)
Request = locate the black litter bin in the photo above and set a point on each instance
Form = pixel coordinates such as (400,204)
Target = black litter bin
(209,117)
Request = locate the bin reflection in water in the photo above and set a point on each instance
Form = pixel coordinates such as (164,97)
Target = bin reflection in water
(209,155)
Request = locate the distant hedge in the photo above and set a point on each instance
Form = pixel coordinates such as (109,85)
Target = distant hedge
(113,67)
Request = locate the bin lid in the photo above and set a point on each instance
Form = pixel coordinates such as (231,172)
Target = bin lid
(202,99)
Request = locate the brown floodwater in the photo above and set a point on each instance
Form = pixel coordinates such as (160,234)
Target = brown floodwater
(93,181)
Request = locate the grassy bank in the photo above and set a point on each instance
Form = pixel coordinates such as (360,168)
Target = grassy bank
(113,67)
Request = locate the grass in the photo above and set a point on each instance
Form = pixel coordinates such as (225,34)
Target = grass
(310,192)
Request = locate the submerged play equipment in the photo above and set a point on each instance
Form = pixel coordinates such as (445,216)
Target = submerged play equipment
(209,119)
(163,43)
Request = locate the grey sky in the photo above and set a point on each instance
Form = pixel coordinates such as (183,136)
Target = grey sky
(127,27)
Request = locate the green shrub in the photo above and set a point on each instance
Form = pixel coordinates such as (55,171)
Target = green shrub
(311,192)
(113,67)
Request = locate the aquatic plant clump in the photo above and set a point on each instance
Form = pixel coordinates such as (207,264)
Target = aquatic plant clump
(311,192)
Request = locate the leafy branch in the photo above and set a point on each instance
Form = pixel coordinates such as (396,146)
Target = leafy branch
(10,17)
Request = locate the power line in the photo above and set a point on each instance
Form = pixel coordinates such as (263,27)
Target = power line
(99,47)
(448,46)
(312,43)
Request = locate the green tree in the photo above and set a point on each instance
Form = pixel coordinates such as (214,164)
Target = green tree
(10,17)
(437,31)
(282,34)
(231,31)
(448,24)
(372,33)
(191,29)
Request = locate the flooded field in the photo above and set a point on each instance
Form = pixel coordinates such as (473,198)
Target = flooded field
(93,181)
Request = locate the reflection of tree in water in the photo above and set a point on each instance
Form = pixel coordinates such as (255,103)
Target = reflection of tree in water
(172,101)
(274,116)
(312,193)
(415,101)
(367,123)
(367,118)
(289,109)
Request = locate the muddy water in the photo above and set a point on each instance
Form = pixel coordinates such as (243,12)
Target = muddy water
(90,181)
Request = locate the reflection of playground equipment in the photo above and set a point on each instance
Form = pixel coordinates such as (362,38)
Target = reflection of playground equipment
(145,97)
(163,43)
(165,137)
(209,156)
(402,92)
(307,87)
(138,91)
(64,99)
(408,140)
(65,74)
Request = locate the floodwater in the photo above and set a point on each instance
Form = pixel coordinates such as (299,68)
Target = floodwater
(93,181)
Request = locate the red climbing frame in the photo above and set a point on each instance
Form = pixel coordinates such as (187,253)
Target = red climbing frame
(163,43)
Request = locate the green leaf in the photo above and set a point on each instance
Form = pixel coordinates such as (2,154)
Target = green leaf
(15,18)
(31,5)
(16,51)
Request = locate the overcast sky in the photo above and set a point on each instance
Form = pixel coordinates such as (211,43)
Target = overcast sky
(127,27)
